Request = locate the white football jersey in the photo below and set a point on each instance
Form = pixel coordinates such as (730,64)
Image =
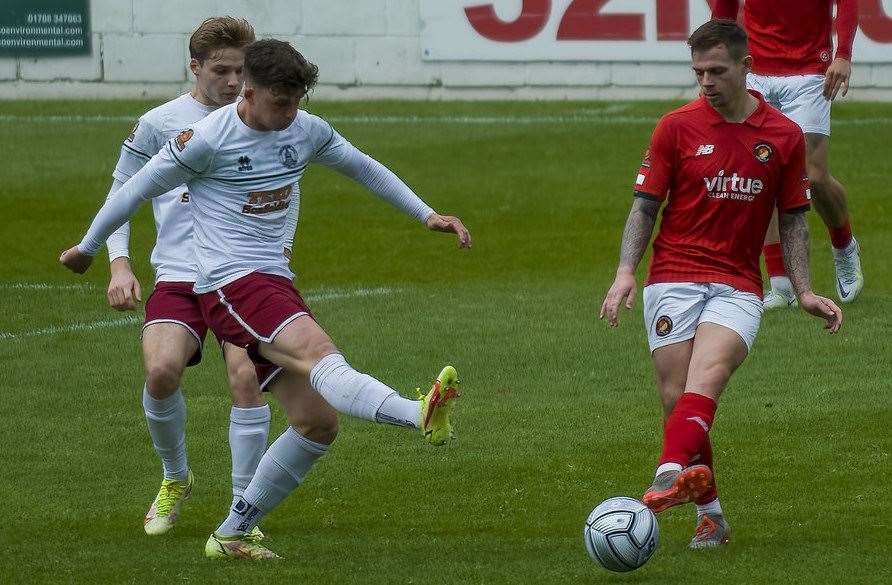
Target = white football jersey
(172,255)
(241,184)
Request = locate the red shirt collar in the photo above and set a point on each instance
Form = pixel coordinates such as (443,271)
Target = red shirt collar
(756,119)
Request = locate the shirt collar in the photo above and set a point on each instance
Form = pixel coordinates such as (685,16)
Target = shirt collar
(756,119)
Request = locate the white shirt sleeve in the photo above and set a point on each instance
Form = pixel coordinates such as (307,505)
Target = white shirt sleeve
(337,153)
(118,243)
(142,144)
(181,160)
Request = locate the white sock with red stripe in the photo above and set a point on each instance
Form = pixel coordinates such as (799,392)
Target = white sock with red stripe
(357,394)
(281,469)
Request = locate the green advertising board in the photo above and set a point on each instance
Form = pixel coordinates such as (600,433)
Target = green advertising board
(44,27)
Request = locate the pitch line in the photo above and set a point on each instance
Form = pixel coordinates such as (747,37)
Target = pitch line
(45,286)
(316,296)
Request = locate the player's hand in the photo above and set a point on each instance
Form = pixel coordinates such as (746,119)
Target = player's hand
(75,260)
(123,288)
(621,292)
(448,223)
(823,308)
(836,77)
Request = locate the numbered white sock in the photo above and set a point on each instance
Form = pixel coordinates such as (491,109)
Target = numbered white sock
(281,469)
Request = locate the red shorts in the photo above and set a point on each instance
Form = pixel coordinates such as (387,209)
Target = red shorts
(174,302)
(266,373)
(252,309)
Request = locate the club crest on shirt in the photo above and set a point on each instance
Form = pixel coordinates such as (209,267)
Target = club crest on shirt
(763,152)
(288,156)
(244,163)
(645,162)
(132,136)
(182,138)
(663,326)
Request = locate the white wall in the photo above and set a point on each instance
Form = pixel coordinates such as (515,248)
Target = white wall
(364,49)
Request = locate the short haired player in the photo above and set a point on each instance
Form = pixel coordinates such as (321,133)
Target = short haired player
(174,329)
(795,68)
(722,164)
(244,283)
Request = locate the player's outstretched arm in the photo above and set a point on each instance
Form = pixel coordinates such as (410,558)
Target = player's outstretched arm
(636,236)
(795,245)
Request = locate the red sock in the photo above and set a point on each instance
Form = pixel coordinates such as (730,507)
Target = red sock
(841,237)
(687,428)
(706,459)
(774,259)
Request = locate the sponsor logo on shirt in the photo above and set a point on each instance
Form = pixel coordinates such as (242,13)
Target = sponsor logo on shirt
(763,152)
(288,156)
(260,202)
(733,187)
(705,149)
(182,138)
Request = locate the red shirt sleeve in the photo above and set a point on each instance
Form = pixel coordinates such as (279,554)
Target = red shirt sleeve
(725,9)
(657,168)
(795,194)
(846,25)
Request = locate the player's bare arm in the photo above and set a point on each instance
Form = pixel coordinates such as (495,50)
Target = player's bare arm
(795,245)
(450,224)
(636,236)
(124,291)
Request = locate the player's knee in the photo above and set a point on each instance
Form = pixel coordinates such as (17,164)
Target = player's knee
(244,386)
(818,175)
(321,429)
(162,378)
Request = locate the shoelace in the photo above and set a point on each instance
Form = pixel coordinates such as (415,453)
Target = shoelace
(705,528)
(845,268)
(168,494)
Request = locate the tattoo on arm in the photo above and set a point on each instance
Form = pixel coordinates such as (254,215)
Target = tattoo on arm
(794,243)
(636,235)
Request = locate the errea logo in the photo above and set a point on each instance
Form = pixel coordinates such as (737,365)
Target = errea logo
(705,149)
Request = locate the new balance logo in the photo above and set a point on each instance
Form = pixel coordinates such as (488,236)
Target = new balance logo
(705,149)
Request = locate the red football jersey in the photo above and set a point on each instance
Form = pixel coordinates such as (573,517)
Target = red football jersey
(722,181)
(794,37)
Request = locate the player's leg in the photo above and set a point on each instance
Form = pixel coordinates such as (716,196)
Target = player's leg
(302,347)
(830,201)
(780,294)
(313,428)
(248,418)
(167,349)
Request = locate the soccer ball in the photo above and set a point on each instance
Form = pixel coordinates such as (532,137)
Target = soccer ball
(621,534)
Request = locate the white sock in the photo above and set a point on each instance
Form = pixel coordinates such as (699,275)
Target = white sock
(668,467)
(248,433)
(280,471)
(712,507)
(348,391)
(399,411)
(782,284)
(166,420)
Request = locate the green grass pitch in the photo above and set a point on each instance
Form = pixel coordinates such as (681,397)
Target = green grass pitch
(558,412)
